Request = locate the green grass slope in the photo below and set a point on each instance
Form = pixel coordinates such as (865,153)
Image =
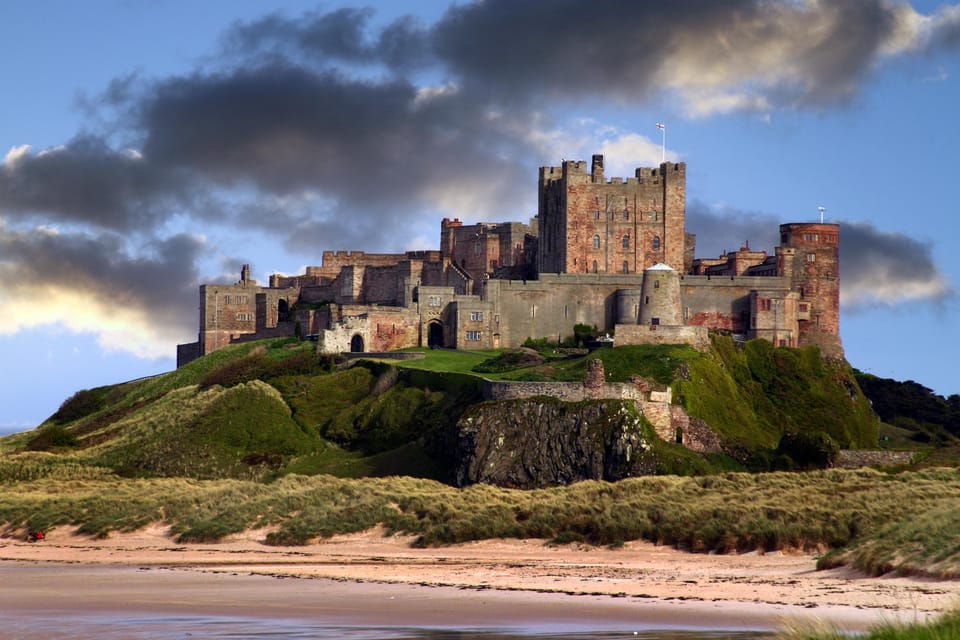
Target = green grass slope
(267,408)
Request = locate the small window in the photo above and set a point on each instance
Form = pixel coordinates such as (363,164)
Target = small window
(594,266)
(656,243)
(473,335)
(596,214)
(656,284)
(226,299)
(476,316)
(434,301)
(596,242)
(626,214)
(811,257)
(653,216)
(626,242)
(626,267)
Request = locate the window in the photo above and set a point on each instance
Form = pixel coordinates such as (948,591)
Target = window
(656,284)
(434,301)
(596,214)
(811,237)
(476,316)
(596,242)
(626,242)
(244,317)
(811,257)
(473,335)
(653,216)
(226,299)
(594,266)
(804,307)
(626,214)
(656,243)
(626,267)
(763,304)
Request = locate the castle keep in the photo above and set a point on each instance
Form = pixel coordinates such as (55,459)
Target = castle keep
(613,253)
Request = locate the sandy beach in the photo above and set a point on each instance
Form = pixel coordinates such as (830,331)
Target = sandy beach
(372,579)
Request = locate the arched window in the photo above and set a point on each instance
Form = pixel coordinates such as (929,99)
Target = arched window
(626,242)
(594,266)
(596,242)
(656,243)
(626,267)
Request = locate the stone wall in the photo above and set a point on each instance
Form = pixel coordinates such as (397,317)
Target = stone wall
(855,459)
(697,337)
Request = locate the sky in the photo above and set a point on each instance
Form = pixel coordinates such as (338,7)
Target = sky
(148,147)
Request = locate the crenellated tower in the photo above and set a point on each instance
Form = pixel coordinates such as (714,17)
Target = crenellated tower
(591,224)
(809,254)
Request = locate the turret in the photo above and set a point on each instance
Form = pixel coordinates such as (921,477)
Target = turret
(660,296)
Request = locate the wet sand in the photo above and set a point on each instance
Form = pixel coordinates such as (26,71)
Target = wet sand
(370,580)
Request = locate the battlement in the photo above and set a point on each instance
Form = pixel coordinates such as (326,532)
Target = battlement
(572,169)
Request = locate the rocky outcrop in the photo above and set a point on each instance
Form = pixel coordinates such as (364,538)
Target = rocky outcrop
(542,441)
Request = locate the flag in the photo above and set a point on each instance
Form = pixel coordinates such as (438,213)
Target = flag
(660,125)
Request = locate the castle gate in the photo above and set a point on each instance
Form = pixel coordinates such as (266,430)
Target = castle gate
(435,335)
(356,344)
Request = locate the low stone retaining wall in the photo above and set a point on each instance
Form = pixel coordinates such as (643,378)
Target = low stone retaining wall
(566,391)
(384,355)
(858,458)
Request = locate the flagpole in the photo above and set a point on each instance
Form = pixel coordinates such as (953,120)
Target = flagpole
(663,141)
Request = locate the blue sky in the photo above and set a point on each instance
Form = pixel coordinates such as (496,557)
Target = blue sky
(146,147)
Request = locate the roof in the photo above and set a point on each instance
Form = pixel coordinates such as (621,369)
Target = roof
(660,267)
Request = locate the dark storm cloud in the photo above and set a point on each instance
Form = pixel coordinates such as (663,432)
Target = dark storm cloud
(876,267)
(727,229)
(159,279)
(369,150)
(714,55)
(85,181)
(787,52)
(342,35)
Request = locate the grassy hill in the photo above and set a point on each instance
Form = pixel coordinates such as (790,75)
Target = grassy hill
(270,434)
(269,408)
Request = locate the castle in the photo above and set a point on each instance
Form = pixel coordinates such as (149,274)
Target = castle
(613,253)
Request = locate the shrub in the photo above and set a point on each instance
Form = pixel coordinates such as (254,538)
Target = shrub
(814,450)
(79,405)
(52,437)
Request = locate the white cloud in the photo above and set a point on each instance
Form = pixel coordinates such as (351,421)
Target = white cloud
(116,327)
(16,154)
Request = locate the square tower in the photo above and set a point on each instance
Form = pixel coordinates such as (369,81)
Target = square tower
(589,224)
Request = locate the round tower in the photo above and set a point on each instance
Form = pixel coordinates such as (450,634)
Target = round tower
(628,305)
(660,296)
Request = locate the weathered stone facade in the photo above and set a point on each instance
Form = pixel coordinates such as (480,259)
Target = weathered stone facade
(611,253)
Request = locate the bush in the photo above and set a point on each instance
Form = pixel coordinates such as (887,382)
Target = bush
(814,450)
(52,437)
(79,405)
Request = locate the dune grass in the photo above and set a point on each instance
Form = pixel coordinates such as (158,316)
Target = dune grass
(735,511)
(946,627)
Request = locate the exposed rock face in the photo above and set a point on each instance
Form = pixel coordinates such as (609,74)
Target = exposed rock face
(542,442)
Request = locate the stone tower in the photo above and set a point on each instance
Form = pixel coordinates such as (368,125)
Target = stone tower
(589,224)
(809,254)
(660,296)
